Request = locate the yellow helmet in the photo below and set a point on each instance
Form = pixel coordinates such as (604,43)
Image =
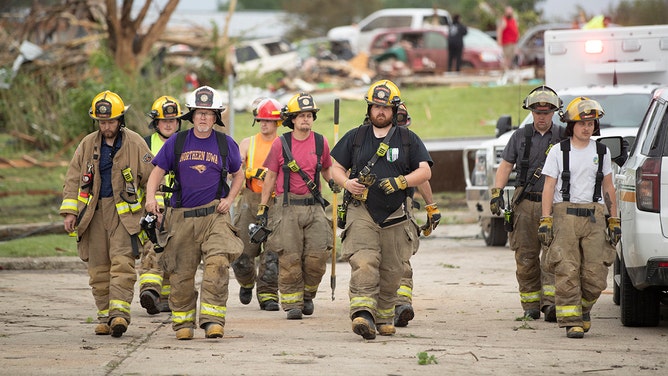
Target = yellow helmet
(383,93)
(165,107)
(301,102)
(582,108)
(107,105)
(542,96)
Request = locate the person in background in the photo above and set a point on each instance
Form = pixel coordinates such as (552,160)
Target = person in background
(580,231)
(254,151)
(598,22)
(197,222)
(154,284)
(102,205)
(456,34)
(507,35)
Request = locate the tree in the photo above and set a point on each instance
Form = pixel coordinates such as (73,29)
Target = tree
(129,46)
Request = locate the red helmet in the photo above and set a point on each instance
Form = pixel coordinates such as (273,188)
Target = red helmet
(269,109)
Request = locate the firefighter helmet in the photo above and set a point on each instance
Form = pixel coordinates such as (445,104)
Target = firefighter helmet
(542,96)
(383,93)
(403,117)
(582,109)
(204,97)
(107,105)
(268,109)
(301,102)
(165,107)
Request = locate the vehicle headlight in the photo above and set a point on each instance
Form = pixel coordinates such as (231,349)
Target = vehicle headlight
(479,176)
(488,57)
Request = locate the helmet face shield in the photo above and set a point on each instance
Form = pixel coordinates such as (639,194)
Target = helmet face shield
(403,118)
(542,96)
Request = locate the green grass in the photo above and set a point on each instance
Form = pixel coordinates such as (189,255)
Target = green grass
(39,246)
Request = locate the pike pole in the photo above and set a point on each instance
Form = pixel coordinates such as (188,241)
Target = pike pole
(332,278)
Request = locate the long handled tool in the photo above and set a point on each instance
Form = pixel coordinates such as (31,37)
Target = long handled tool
(332,278)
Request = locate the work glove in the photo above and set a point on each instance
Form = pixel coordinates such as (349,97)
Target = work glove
(433,217)
(496,203)
(545,231)
(614,230)
(256,173)
(333,186)
(262,216)
(391,185)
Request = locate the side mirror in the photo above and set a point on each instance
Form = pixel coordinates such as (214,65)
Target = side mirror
(618,147)
(503,125)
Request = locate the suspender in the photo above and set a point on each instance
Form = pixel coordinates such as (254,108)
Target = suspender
(291,165)
(566,174)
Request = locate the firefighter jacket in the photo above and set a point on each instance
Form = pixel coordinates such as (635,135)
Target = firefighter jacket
(131,169)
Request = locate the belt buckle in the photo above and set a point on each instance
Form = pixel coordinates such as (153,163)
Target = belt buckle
(201,212)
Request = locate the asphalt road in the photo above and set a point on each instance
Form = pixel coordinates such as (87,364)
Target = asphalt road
(466,305)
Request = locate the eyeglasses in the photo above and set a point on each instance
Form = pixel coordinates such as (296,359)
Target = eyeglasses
(204,114)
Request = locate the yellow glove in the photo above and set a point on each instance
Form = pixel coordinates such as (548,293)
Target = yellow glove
(614,230)
(545,231)
(256,173)
(433,218)
(496,203)
(391,185)
(262,216)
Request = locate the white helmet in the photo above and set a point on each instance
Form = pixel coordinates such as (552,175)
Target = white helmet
(204,97)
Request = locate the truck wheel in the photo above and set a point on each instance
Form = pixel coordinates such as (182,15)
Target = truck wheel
(493,232)
(615,280)
(638,307)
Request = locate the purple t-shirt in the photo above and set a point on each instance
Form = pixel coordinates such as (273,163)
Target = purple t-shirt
(199,167)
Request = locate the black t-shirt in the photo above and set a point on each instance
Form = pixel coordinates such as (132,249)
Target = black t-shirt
(394,163)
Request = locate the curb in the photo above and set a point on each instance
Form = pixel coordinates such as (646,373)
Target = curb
(41,263)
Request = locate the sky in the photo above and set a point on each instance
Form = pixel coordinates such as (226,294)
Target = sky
(564,10)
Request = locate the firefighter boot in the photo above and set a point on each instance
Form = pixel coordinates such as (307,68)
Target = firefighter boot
(213,330)
(308,307)
(403,314)
(363,325)
(118,326)
(586,322)
(269,305)
(550,313)
(163,306)
(149,300)
(295,314)
(533,313)
(185,333)
(575,332)
(386,329)
(102,329)
(245,295)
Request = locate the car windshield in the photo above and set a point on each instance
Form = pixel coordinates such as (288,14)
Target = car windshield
(475,38)
(621,110)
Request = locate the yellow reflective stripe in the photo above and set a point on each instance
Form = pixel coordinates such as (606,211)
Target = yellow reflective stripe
(183,317)
(267,296)
(405,291)
(588,303)
(569,311)
(143,237)
(385,313)
(69,204)
(122,207)
(212,310)
(103,313)
(147,278)
(166,290)
(248,285)
(119,305)
(363,302)
(530,297)
(548,290)
(313,288)
(292,298)
(160,200)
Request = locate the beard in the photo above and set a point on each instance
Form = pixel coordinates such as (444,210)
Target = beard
(381,121)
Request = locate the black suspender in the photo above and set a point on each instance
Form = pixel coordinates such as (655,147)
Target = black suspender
(566,174)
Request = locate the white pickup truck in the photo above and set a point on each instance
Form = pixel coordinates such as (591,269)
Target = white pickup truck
(619,67)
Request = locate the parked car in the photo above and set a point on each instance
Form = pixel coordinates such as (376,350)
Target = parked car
(531,45)
(266,55)
(359,36)
(425,50)
(641,265)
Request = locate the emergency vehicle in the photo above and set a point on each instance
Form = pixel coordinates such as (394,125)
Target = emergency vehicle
(618,67)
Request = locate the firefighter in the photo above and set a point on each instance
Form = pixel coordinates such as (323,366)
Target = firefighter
(153,282)
(198,223)
(525,152)
(254,151)
(377,164)
(302,233)
(103,195)
(578,174)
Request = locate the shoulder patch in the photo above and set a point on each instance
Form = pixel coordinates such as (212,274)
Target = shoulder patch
(147,158)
